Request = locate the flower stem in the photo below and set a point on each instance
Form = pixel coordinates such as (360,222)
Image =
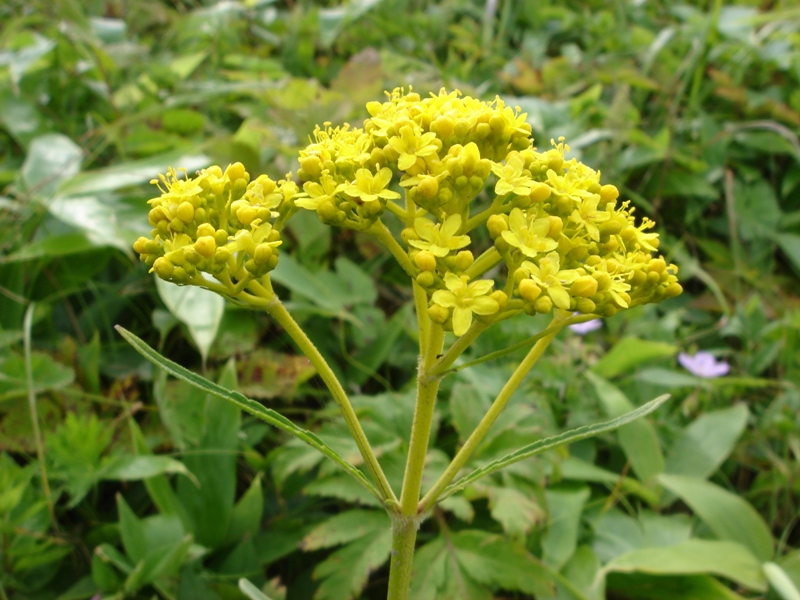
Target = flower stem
(423,321)
(277,311)
(490,417)
(385,237)
(404,529)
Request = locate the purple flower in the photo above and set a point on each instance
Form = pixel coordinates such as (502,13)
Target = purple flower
(588,326)
(703,364)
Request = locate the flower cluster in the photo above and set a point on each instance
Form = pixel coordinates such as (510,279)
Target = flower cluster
(218,225)
(566,241)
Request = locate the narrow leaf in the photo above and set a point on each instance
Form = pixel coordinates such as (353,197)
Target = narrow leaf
(581,433)
(251,591)
(246,404)
(781,582)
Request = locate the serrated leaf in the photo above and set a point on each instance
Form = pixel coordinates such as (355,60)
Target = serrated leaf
(345,572)
(581,433)
(249,406)
(726,559)
(515,511)
(726,514)
(345,528)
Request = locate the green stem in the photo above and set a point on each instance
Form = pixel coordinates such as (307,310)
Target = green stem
(423,321)
(405,525)
(490,417)
(483,263)
(277,311)
(37,432)
(457,349)
(384,236)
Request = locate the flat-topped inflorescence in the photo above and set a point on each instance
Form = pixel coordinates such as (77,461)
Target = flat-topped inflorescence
(564,238)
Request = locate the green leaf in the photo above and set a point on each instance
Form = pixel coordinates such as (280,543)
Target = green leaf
(247,513)
(367,536)
(781,582)
(126,174)
(515,511)
(727,515)
(639,439)
(706,442)
(790,244)
(629,353)
(581,433)
(438,576)
(161,562)
(641,586)
(251,591)
(52,158)
(468,405)
(564,508)
(47,374)
(132,531)
(132,468)
(52,246)
(213,462)
(200,310)
(249,406)
(575,469)
(726,559)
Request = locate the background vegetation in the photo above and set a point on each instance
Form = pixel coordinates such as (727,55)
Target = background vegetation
(117,483)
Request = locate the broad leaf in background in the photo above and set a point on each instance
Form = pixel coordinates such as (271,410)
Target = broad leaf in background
(200,310)
(727,515)
(564,506)
(629,353)
(726,559)
(52,158)
(706,442)
(639,439)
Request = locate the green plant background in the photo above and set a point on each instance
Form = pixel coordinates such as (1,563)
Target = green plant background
(155,489)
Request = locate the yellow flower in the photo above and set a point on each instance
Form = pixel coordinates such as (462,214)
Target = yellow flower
(512,176)
(410,145)
(567,185)
(317,193)
(549,276)
(528,233)
(465,298)
(441,238)
(369,187)
(587,216)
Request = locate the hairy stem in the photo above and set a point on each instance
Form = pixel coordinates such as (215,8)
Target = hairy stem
(490,417)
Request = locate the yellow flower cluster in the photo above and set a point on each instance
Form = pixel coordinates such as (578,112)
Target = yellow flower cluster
(565,240)
(219,223)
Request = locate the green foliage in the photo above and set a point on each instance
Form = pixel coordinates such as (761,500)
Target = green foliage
(157,488)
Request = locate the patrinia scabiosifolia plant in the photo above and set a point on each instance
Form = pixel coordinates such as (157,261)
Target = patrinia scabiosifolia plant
(445,167)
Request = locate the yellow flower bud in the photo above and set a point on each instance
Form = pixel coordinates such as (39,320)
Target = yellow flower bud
(609,193)
(246,215)
(156,215)
(585,306)
(221,237)
(205,229)
(543,305)
(556,225)
(673,289)
(312,166)
(139,245)
(177,225)
(426,279)
(205,246)
(235,171)
(529,291)
(428,187)
(657,265)
(163,268)
(496,224)
(262,254)
(443,127)
(584,287)
(438,314)
(425,261)
(500,297)
(464,260)
(185,212)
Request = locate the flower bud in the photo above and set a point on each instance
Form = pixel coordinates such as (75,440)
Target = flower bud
(609,193)
(205,229)
(163,268)
(409,233)
(426,279)
(139,245)
(657,265)
(443,127)
(263,254)
(177,224)
(312,166)
(556,225)
(529,290)
(428,187)
(205,246)
(500,297)
(464,260)
(497,224)
(584,287)
(543,305)
(235,171)
(246,215)
(425,261)
(185,212)
(221,237)
(438,314)
(673,289)
(585,306)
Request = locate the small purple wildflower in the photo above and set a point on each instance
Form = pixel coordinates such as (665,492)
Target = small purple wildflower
(703,364)
(588,326)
